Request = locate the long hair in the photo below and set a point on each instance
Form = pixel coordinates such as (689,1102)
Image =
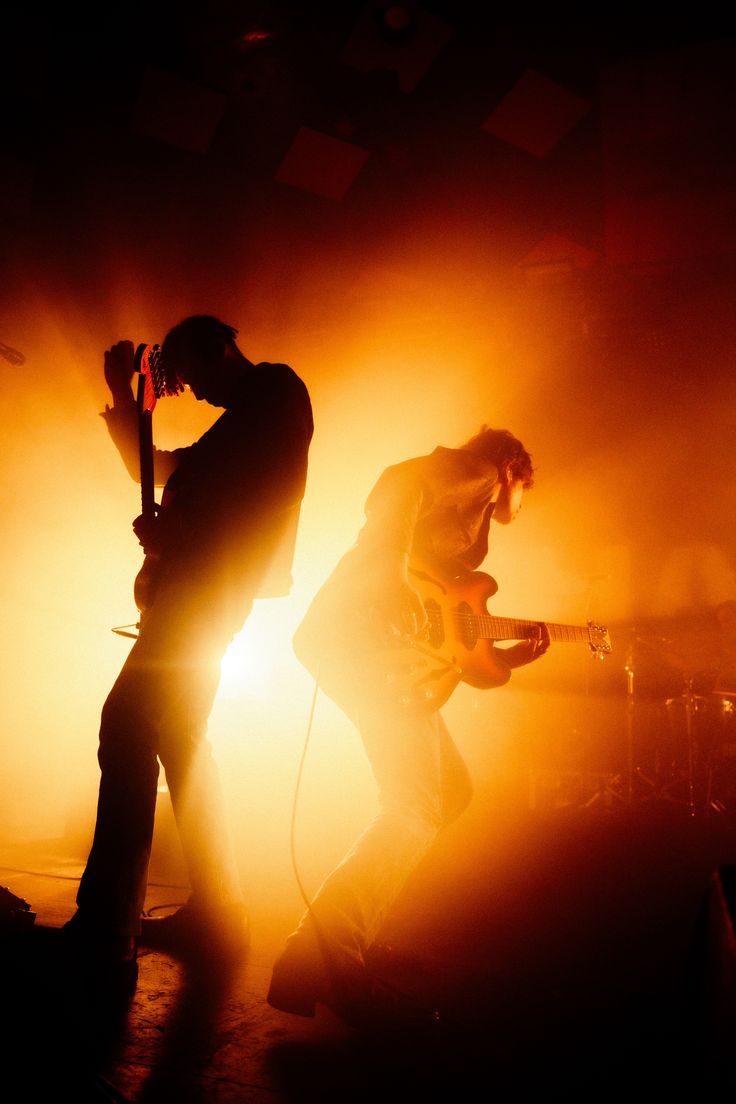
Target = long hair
(500,448)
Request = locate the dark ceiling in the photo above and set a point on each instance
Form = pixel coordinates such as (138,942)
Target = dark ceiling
(164,131)
(76,100)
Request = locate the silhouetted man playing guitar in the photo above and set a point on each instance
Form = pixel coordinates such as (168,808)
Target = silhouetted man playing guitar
(378,647)
(224,535)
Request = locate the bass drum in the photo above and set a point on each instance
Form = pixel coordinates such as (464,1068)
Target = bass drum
(722,705)
(724,710)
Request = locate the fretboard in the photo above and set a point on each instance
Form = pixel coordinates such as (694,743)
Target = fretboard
(508,628)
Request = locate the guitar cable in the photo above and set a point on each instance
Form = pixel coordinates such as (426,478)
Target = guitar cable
(297,789)
(332,957)
(326,947)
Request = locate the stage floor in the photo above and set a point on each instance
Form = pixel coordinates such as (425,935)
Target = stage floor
(596,956)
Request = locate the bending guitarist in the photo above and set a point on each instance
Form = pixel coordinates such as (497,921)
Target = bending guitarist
(436,507)
(225,536)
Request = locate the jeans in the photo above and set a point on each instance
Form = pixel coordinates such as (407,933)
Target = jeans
(423,785)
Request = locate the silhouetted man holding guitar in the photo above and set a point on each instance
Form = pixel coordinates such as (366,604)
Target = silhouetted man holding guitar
(399,623)
(223,535)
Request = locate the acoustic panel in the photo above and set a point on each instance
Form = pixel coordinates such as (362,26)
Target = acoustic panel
(177,111)
(321,164)
(535,114)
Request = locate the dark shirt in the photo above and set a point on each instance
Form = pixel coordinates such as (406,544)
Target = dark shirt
(231,500)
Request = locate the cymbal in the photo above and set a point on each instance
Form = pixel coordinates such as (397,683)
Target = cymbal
(688,647)
(651,640)
(690,653)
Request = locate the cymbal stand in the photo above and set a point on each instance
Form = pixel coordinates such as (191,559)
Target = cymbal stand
(690,743)
(704,768)
(687,775)
(622,788)
(632,771)
(629,669)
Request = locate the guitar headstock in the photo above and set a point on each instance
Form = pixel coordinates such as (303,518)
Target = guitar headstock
(599,640)
(152,379)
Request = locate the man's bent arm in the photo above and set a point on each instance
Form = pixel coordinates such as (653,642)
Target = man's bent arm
(392,511)
(121,420)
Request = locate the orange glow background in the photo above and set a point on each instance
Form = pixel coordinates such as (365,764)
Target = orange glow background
(411,329)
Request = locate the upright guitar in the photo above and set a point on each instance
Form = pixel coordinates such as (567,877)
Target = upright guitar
(151,387)
(456,645)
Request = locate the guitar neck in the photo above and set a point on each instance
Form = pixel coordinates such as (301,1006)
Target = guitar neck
(151,385)
(509,628)
(145,443)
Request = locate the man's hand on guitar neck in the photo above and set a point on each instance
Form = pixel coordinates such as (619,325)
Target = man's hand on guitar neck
(526,651)
(119,371)
(149,532)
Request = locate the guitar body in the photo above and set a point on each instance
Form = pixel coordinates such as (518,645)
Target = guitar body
(146,581)
(424,674)
(457,644)
(144,586)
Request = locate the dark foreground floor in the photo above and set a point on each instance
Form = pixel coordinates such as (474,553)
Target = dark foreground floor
(598,958)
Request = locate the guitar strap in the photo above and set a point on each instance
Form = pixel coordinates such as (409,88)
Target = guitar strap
(122,630)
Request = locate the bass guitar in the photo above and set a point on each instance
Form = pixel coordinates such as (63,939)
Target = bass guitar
(151,387)
(457,643)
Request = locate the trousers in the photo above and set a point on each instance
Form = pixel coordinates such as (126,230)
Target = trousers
(157,713)
(423,784)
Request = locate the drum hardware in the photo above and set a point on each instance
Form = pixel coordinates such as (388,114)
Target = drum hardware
(625,787)
(677,750)
(708,721)
(688,731)
(688,698)
(634,772)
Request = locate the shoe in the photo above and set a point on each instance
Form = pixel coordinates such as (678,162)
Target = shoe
(15,913)
(304,977)
(100,960)
(196,933)
(300,978)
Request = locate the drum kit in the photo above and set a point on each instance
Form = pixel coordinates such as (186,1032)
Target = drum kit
(680,725)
